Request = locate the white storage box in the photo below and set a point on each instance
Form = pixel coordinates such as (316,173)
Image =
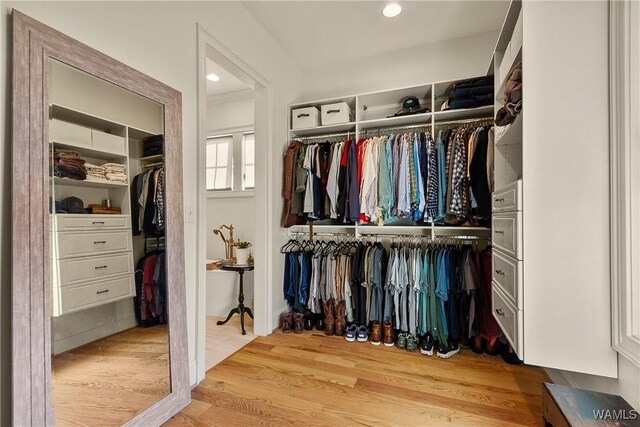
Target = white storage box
(69,134)
(108,143)
(307,117)
(337,113)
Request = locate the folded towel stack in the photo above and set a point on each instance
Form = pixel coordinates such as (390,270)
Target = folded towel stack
(115,172)
(94,171)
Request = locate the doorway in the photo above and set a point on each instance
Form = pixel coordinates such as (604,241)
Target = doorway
(233,132)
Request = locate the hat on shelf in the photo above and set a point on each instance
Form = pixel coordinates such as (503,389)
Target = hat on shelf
(411,105)
(73,205)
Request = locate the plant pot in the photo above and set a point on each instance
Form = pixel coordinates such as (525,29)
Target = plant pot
(242,256)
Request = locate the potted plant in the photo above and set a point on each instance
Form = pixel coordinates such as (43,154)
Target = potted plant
(242,253)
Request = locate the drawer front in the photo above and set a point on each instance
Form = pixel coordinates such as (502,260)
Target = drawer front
(80,243)
(71,222)
(509,319)
(507,273)
(506,233)
(75,270)
(508,199)
(80,297)
(108,143)
(70,134)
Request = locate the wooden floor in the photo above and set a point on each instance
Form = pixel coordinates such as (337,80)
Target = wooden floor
(107,382)
(311,379)
(224,340)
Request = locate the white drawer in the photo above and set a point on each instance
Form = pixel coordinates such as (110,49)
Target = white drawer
(507,199)
(507,273)
(87,243)
(506,233)
(70,134)
(509,318)
(80,297)
(75,270)
(87,222)
(107,142)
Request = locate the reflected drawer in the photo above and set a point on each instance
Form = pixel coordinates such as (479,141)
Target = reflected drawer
(71,222)
(107,142)
(506,233)
(80,297)
(74,270)
(69,134)
(86,243)
(507,273)
(509,318)
(507,199)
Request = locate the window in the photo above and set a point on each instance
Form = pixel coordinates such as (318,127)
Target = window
(231,162)
(219,163)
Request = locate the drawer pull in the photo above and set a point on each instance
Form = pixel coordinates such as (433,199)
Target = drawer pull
(102,292)
(499,312)
(500,272)
(97,222)
(332,111)
(499,232)
(100,266)
(500,199)
(302,115)
(100,242)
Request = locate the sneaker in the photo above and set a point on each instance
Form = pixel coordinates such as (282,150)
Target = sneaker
(446,351)
(351,332)
(412,343)
(401,342)
(363,333)
(426,347)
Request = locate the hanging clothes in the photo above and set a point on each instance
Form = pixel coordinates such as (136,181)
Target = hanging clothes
(151,289)
(148,203)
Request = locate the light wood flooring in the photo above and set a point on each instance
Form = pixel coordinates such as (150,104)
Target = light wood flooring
(224,340)
(312,379)
(107,382)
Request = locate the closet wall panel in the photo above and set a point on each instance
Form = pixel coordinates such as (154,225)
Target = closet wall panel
(566,193)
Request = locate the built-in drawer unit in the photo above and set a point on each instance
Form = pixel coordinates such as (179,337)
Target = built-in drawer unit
(107,142)
(507,274)
(508,199)
(69,134)
(86,243)
(506,233)
(76,270)
(79,222)
(83,296)
(509,318)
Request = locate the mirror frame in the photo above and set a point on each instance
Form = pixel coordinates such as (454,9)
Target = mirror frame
(33,44)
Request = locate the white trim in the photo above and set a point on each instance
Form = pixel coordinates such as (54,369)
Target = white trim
(228,131)
(624,146)
(208,46)
(223,98)
(225,194)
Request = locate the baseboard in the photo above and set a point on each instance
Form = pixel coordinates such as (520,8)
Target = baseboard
(560,377)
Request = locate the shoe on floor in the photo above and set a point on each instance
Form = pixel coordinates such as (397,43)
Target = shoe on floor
(287,322)
(426,347)
(387,334)
(412,343)
(351,332)
(363,333)
(446,351)
(298,323)
(401,342)
(376,333)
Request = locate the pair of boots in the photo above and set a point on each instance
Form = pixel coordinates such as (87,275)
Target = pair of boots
(334,317)
(291,320)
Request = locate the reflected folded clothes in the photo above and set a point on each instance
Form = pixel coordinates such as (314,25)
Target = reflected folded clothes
(507,114)
(94,170)
(121,177)
(470,92)
(66,154)
(472,102)
(114,167)
(70,168)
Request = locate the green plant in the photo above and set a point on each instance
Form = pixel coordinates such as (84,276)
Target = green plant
(243,245)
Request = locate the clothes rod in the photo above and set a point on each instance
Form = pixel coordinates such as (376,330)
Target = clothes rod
(387,235)
(331,135)
(384,129)
(463,121)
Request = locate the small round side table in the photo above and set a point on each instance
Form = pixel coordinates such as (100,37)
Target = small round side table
(240,309)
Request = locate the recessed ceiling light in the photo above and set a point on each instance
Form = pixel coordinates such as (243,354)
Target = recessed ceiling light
(391,10)
(213,77)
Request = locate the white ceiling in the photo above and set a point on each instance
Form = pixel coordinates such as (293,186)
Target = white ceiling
(227,83)
(325,32)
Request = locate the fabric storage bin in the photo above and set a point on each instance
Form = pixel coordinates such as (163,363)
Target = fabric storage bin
(152,146)
(69,134)
(335,113)
(307,117)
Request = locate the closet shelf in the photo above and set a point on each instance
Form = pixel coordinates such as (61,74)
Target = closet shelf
(503,79)
(424,118)
(89,183)
(319,130)
(90,152)
(154,158)
(466,113)
(512,135)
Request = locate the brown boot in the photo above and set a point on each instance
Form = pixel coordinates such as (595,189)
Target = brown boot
(298,323)
(287,322)
(376,333)
(387,330)
(340,322)
(328,317)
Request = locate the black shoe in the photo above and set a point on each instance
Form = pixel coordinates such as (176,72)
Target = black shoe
(308,322)
(427,344)
(446,351)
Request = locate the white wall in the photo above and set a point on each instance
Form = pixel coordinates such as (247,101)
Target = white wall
(158,39)
(429,63)
(225,113)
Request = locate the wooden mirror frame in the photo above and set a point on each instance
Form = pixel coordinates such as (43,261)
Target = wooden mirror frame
(33,45)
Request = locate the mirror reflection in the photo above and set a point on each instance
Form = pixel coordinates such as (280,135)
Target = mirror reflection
(110,354)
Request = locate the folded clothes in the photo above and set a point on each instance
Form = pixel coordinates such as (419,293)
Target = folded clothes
(66,154)
(478,101)
(512,98)
(121,177)
(470,92)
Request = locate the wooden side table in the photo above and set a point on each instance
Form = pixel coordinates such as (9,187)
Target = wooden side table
(240,309)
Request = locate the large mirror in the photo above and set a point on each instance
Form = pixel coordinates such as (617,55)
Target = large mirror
(99,320)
